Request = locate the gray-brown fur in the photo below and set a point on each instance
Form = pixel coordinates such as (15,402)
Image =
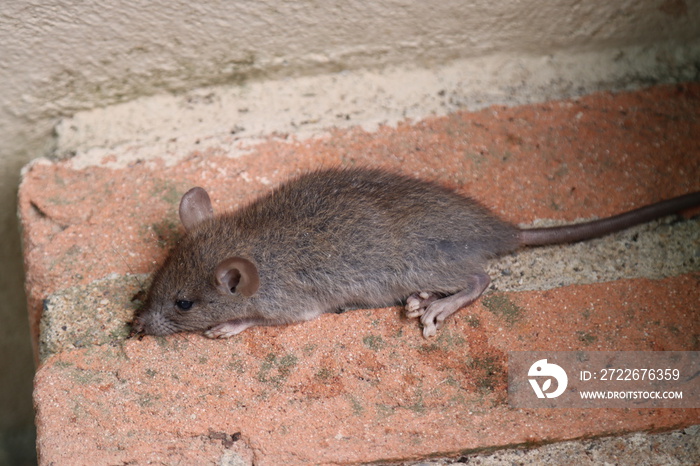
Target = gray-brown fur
(327,240)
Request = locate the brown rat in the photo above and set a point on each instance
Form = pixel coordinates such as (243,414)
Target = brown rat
(337,238)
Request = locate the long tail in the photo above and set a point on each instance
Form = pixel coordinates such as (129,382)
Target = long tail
(596,228)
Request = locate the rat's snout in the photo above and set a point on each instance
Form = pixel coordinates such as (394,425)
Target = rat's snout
(137,326)
(149,322)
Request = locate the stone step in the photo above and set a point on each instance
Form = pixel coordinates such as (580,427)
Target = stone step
(364,386)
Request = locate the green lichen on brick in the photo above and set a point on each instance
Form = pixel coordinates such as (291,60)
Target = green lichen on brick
(357,407)
(373,342)
(308,349)
(384,411)
(165,231)
(275,370)
(586,338)
(324,374)
(448,340)
(172,343)
(146,400)
(59,180)
(84,377)
(162,342)
(428,348)
(451,381)
(473,321)
(500,305)
(418,405)
(236,365)
(120,333)
(167,191)
(488,371)
(288,361)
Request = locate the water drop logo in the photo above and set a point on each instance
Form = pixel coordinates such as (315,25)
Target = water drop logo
(544,369)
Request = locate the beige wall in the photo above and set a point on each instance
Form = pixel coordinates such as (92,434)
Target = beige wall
(60,57)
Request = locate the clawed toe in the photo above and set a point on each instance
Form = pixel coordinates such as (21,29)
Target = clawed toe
(433,310)
(429,331)
(435,315)
(417,303)
(412,306)
(429,309)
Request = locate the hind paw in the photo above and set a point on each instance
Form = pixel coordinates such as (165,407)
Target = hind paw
(434,310)
(417,303)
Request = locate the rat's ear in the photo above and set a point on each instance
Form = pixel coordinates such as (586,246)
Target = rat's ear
(236,274)
(195,207)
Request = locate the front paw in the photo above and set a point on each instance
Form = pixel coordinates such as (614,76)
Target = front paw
(228,329)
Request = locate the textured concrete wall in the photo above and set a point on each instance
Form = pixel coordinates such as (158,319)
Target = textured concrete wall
(57,58)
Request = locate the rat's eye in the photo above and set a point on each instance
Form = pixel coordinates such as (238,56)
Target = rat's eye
(184,305)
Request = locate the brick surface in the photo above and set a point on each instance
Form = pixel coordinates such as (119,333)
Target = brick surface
(364,385)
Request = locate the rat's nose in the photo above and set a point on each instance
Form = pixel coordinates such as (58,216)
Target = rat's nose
(150,322)
(137,325)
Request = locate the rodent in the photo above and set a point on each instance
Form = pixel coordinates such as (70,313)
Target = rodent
(338,238)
